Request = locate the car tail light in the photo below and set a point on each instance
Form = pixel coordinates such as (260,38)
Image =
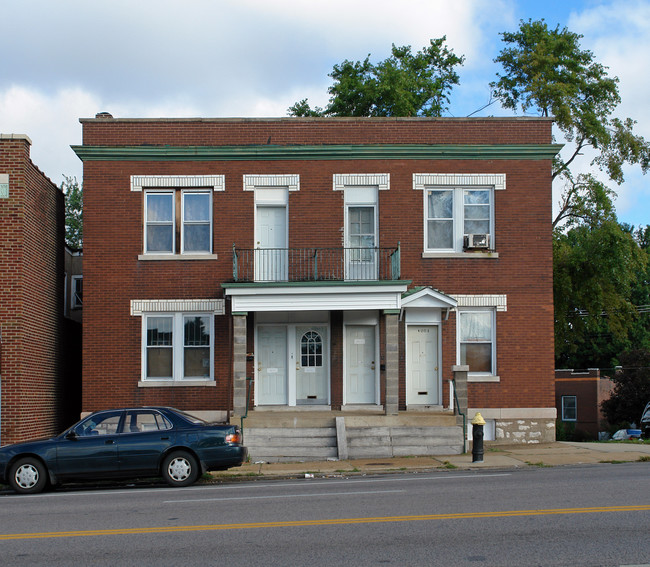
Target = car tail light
(233,437)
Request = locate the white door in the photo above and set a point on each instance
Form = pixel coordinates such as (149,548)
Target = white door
(272,365)
(311,365)
(271,244)
(360,365)
(423,382)
(361,241)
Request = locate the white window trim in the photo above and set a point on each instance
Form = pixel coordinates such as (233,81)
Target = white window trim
(174,255)
(343,180)
(289,181)
(479,376)
(178,349)
(183,223)
(140,182)
(575,406)
(458,182)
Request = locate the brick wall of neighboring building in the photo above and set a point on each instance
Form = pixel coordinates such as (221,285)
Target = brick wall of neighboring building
(113,239)
(590,390)
(31,295)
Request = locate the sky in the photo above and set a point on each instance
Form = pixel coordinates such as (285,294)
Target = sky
(69,59)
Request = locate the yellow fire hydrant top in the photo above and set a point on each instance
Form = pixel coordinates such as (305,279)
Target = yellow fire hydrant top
(478,419)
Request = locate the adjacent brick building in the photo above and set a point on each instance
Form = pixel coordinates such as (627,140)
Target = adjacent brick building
(341,265)
(31,295)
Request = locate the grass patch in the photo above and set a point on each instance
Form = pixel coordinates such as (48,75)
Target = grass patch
(613,462)
(539,464)
(644,459)
(448,465)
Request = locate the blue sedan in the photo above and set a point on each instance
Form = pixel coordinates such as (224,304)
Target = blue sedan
(124,443)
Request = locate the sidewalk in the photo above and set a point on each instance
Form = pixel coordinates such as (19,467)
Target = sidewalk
(503,456)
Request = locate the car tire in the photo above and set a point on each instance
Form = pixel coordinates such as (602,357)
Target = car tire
(180,468)
(28,476)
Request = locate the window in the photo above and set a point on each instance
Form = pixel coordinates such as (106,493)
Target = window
(476,341)
(105,423)
(569,408)
(140,421)
(178,220)
(452,213)
(311,350)
(77,292)
(178,346)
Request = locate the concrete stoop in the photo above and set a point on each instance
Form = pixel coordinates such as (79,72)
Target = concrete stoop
(301,438)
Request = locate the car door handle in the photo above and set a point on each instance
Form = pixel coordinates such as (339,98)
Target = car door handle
(109,442)
(164,438)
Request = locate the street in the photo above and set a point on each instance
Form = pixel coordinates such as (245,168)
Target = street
(578,515)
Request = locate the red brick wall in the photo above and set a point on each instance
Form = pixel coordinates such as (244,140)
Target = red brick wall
(113,238)
(31,297)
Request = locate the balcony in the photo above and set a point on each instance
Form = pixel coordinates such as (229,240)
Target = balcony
(315,264)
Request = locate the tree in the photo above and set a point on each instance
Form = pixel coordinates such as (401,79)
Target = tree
(595,269)
(546,70)
(73,192)
(402,85)
(631,389)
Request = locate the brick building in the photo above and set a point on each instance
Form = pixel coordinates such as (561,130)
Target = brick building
(578,395)
(344,268)
(31,295)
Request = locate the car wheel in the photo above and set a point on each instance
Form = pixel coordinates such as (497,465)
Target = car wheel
(180,469)
(28,476)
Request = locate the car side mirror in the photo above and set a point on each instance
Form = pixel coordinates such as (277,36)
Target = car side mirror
(71,434)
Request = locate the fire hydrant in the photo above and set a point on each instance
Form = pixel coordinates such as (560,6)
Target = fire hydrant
(477,435)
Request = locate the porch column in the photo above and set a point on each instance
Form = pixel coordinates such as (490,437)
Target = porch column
(392,361)
(239,363)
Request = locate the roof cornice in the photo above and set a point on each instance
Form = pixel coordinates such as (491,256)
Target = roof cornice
(319,152)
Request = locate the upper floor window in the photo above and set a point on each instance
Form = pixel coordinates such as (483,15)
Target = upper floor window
(459,211)
(178,222)
(455,216)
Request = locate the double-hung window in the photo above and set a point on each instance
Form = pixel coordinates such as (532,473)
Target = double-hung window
(569,408)
(476,344)
(178,221)
(178,346)
(454,213)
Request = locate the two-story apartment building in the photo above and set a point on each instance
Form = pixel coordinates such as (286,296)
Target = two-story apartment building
(328,266)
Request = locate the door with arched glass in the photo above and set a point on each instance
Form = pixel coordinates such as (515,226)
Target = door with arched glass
(312,365)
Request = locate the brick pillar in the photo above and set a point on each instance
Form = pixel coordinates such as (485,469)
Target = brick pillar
(239,363)
(392,362)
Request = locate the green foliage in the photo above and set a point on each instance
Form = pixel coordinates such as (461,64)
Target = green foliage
(631,388)
(547,71)
(595,269)
(73,192)
(404,84)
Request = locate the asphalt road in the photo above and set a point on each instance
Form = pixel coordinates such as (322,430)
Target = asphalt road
(586,515)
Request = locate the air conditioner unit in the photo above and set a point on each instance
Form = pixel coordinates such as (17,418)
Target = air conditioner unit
(477,241)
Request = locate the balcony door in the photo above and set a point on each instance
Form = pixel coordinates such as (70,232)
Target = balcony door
(361,243)
(271,243)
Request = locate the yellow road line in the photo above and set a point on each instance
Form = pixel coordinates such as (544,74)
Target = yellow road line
(329,522)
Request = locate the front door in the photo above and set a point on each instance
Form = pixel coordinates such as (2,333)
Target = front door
(360,365)
(272,365)
(271,244)
(423,383)
(311,365)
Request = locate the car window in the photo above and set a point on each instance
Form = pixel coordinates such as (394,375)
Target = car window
(142,421)
(101,424)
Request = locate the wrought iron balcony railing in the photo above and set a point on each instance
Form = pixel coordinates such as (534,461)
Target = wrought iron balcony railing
(315,264)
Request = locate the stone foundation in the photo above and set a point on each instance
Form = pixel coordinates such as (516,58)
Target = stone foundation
(525,431)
